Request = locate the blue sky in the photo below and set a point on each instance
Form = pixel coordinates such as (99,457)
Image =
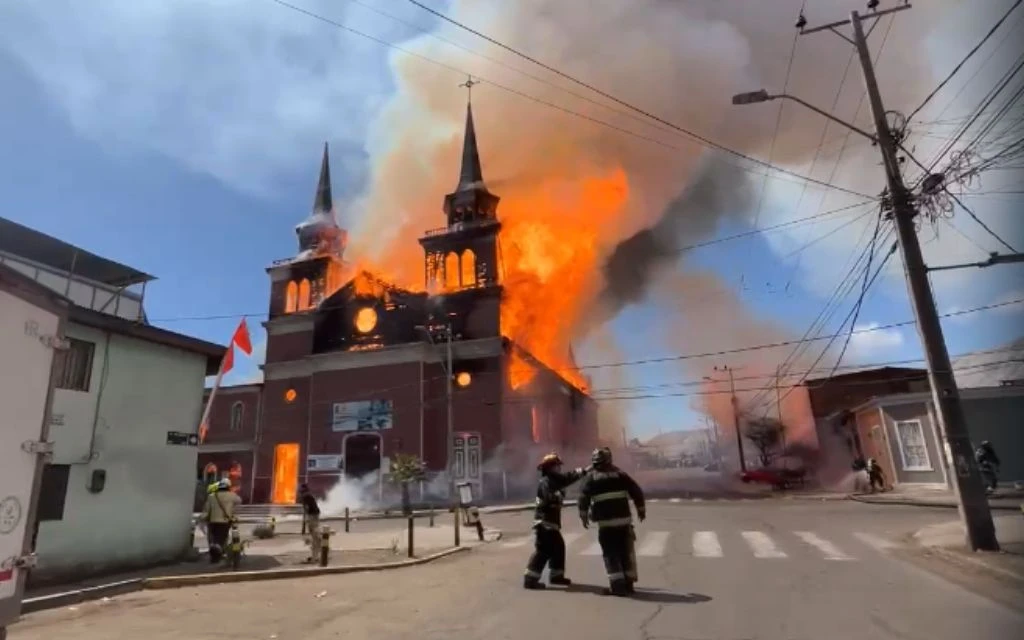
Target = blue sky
(196,166)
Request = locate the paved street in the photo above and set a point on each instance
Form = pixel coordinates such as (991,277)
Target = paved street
(782,570)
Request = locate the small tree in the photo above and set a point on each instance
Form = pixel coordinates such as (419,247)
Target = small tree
(405,470)
(766,435)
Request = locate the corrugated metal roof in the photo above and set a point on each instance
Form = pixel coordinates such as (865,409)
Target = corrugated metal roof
(21,241)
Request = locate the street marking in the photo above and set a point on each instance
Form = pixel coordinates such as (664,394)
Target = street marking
(705,545)
(698,500)
(519,542)
(675,500)
(831,551)
(654,500)
(875,542)
(654,544)
(761,545)
(571,538)
(592,550)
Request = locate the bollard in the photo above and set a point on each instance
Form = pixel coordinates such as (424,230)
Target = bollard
(431,515)
(346,519)
(325,545)
(410,536)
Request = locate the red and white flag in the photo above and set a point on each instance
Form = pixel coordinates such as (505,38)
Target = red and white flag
(241,340)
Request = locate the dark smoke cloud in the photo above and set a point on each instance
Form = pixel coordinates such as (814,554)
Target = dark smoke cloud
(716,191)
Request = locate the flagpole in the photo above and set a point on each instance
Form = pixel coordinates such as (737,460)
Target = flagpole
(203,424)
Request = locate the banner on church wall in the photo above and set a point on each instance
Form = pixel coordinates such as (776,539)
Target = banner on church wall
(362,415)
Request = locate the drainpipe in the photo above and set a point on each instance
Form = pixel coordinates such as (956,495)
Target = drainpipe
(309,429)
(104,371)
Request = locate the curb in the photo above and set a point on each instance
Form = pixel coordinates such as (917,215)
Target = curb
(68,598)
(918,503)
(952,556)
(41,603)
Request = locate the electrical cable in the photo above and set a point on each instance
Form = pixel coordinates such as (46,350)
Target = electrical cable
(704,141)
(969,55)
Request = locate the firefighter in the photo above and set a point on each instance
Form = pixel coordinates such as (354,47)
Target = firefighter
(219,514)
(875,475)
(549,546)
(604,499)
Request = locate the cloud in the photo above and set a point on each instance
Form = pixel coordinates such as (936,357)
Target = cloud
(244,91)
(870,343)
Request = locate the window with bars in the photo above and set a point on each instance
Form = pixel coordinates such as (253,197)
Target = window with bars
(913,450)
(74,365)
(237,411)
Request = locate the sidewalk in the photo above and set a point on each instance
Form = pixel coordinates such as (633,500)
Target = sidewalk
(281,556)
(1004,499)
(948,540)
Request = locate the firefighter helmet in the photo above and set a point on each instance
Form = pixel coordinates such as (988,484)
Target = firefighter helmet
(601,457)
(549,461)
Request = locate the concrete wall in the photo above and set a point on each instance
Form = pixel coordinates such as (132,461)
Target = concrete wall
(1001,421)
(138,392)
(933,473)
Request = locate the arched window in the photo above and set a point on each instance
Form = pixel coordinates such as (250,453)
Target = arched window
(468,268)
(291,297)
(303,295)
(237,412)
(451,271)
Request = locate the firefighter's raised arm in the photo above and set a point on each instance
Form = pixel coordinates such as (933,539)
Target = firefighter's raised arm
(583,502)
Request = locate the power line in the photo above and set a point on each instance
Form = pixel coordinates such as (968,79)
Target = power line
(969,55)
(695,136)
(681,250)
(778,122)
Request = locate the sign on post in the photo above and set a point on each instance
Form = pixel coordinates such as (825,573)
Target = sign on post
(183,439)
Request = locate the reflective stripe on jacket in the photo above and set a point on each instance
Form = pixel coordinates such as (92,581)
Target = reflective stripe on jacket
(605,496)
(551,497)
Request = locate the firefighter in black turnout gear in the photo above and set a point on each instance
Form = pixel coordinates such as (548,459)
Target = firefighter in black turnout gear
(604,499)
(549,547)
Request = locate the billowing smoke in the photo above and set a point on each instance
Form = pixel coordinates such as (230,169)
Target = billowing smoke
(594,219)
(714,192)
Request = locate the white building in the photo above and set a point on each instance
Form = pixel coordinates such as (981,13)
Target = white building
(119,489)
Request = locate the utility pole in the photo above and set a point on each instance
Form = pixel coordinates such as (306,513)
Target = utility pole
(449,371)
(973,503)
(735,415)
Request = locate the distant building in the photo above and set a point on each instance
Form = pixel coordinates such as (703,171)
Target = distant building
(118,490)
(903,434)
(355,366)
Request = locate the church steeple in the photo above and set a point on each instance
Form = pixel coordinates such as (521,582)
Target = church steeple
(471,174)
(320,233)
(471,202)
(322,201)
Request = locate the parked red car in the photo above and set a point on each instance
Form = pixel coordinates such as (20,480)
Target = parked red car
(778,478)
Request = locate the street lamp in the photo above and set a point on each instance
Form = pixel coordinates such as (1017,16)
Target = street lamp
(450,426)
(755,97)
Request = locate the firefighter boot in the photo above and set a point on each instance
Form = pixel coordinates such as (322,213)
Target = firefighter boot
(618,588)
(532,583)
(560,580)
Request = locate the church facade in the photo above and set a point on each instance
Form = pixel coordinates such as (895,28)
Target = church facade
(358,370)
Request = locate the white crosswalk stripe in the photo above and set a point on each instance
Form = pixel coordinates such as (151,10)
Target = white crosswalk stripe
(706,545)
(714,545)
(762,545)
(653,545)
(830,551)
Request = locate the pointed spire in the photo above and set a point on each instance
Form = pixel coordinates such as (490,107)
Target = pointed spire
(471,175)
(322,202)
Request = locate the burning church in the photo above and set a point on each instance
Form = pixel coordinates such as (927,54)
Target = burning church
(359,370)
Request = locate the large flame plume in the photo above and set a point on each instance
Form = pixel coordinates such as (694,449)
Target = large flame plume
(573,191)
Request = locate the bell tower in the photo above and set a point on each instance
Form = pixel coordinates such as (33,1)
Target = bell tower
(464,253)
(301,283)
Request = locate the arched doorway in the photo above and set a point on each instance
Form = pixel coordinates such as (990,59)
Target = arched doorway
(362,454)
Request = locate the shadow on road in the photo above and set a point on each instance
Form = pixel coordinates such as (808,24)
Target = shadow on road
(645,595)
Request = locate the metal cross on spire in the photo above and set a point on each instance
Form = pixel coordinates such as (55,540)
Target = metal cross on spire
(469,84)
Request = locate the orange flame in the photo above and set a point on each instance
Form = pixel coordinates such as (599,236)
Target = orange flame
(553,232)
(550,256)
